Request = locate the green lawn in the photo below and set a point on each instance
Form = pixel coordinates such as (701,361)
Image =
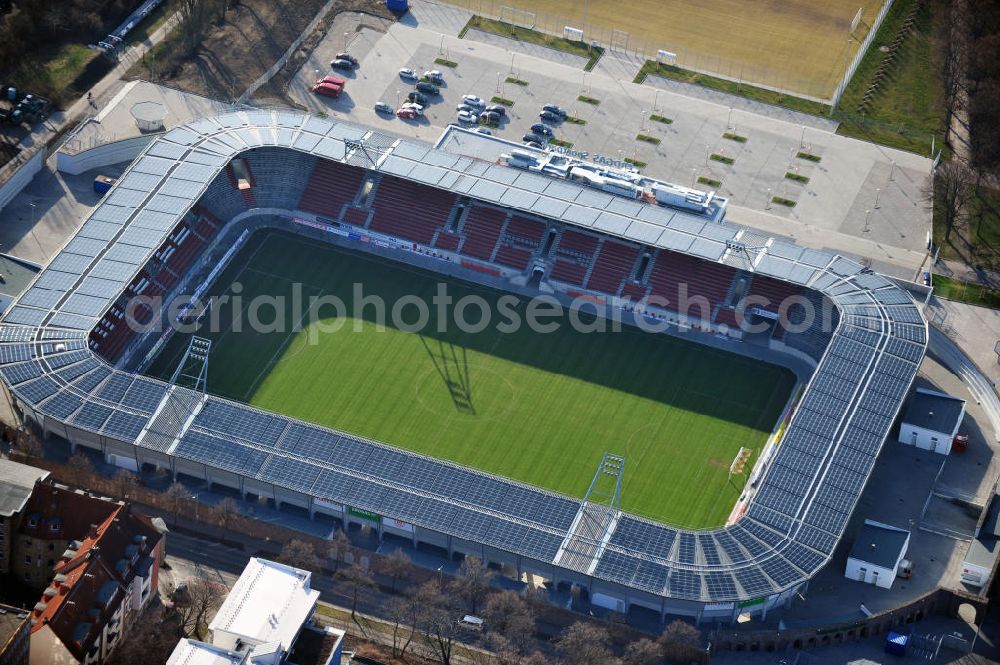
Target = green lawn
(909,107)
(540,408)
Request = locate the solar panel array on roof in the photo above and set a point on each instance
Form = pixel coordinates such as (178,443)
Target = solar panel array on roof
(790,528)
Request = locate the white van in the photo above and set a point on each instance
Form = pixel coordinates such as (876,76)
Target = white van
(471,622)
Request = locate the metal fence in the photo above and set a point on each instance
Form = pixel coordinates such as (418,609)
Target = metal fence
(869,38)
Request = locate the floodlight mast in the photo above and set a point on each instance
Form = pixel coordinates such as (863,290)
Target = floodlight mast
(197,352)
(614,466)
(370,152)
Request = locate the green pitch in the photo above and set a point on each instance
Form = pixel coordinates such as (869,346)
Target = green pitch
(538,408)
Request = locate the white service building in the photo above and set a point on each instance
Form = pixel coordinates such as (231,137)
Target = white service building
(265,620)
(877,553)
(931,421)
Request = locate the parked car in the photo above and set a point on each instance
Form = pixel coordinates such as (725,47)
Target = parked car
(557,110)
(342,64)
(327,89)
(533,138)
(499,109)
(472,100)
(416,107)
(382,107)
(533,144)
(348,57)
(408,74)
(489,118)
(417,97)
(549,116)
(434,76)
(466,117)
(406,114)
(335,80)
(541,130)
(464,107)
(428,88)
(485,130)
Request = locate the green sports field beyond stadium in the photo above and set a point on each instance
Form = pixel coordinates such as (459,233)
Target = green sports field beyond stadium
(540,408)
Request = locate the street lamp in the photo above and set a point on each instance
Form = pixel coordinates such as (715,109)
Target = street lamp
(397,99)
(347,36)
(656,100)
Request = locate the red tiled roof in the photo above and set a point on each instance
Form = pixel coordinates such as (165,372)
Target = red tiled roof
(90,585)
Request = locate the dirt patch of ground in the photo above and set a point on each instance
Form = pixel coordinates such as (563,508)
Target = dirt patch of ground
(237,52)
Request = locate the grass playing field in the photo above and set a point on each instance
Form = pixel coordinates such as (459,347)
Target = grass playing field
(798,45)
(539,408)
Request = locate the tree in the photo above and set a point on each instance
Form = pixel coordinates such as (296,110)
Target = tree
(79,468)
(358,578)
(226,512)
(402,612)
(200,600)
(300,554)
(396,565)
(584,644)
(643,652)
(473,581)
(195,16)
(952,189)
(177,496)
(28,445)
(536,658)
(125,483)
(508,614)
(436,620)
(341,546)
(680,640)
(504,651)
(150,639)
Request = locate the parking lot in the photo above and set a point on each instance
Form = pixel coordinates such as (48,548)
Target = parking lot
(858,198)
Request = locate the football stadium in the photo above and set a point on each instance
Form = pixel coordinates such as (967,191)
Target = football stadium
(654,455)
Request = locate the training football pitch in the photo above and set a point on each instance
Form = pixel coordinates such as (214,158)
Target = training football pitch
(537,407)
(802,46)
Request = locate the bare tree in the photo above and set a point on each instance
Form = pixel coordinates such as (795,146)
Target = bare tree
(196,606)
(643,652)
(28,445)
(341,546)
(358,578)
(150,639)
(396,565)
(504,651)
(952,189)
(584,644)
(437,620)
(79,468)
(508,614)
(473,581)
(177,496)
(125,483)
(402,612)
(680,640)
(226,512)
(300,554)
(535,658)
(195,16)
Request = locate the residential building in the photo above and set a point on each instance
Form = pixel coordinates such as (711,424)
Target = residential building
(56,519)
(102,580)
(265,620)
(16,482)
(14,636)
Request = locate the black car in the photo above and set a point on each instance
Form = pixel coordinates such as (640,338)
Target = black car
(342,64)
(533,144)
(489,118)
(417,98)
(348,57)
(499,109)
(557,110)
(541,130)
(533,138)
(428,88)
(549,116)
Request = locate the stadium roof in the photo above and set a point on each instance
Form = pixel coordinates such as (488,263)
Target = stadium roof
(790,529)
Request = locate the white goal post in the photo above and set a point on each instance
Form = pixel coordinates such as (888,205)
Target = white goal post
(522,18)
(740,462)
(856,21)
